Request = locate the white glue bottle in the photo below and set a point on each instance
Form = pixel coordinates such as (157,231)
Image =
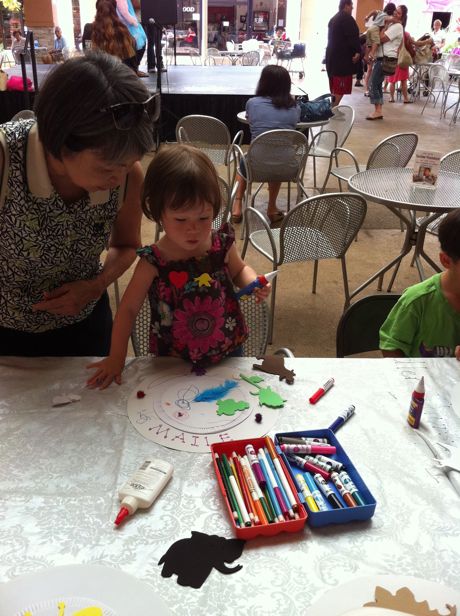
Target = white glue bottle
(143,487)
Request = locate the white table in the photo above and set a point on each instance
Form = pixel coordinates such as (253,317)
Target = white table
(61,468)
(233,56)
(393,187)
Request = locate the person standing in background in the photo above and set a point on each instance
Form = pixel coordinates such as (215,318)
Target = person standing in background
(109,34)
(127,15)
(391,37)
(343,51)
(154,56)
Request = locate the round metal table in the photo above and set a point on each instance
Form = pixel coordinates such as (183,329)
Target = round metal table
(394,188)
(303,126)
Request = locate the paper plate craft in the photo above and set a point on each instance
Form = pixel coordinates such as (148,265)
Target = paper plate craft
(172,414)
(387,595)
(274,364)
(192,560)
(79,590)
(72,606)
(404,600)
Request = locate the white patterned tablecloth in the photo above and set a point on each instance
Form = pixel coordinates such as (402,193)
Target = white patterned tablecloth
(61,467)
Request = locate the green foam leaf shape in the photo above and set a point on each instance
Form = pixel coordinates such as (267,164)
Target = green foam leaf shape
(230,406)
(269,398)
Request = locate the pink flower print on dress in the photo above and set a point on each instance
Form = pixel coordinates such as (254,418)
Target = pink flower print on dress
(199,325)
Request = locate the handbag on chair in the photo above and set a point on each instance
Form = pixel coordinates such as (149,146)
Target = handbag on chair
(318,109)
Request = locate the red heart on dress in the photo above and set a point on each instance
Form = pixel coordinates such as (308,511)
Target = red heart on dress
(178,279)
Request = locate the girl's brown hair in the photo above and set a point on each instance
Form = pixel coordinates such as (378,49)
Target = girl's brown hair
(180,176)
(109,34)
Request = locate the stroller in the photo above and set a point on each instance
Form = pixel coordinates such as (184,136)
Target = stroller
(297,52)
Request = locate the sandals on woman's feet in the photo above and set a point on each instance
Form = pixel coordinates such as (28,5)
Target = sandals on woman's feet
(276,217)
(236,218)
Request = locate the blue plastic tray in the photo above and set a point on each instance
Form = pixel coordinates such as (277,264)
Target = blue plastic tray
(332,516)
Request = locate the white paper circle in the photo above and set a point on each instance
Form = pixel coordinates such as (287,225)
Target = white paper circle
(169,416)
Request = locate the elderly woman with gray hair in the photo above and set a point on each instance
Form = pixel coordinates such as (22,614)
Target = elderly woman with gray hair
(70,185)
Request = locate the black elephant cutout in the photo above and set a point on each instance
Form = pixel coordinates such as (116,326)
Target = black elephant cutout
(192,560)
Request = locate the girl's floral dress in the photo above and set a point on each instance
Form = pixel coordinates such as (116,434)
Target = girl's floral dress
(194,312)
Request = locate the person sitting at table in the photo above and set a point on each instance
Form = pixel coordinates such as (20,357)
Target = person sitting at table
(17,45)
(425,322)
(271,108)
(188,276)
(60,51)
(190,38)
(72,191)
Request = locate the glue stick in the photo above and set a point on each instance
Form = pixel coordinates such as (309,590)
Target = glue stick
(142,489)
(416,404)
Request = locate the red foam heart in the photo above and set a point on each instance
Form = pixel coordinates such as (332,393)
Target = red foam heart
(178,279)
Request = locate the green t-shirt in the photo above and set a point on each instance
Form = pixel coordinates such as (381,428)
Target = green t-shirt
(422,323)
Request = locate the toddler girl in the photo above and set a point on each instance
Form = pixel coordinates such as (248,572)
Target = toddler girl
(188,275)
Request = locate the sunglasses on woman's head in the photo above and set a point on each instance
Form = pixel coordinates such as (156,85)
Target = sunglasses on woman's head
(126,115)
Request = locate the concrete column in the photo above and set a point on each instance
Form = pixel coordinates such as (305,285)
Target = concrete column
(87,12)
(63,17)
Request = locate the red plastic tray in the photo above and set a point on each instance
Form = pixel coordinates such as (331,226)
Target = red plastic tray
(249,532)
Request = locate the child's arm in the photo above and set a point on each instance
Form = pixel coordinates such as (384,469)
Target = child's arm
(243,274)
(111,367)
(394,353)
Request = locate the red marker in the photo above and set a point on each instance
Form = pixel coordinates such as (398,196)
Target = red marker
(321,391)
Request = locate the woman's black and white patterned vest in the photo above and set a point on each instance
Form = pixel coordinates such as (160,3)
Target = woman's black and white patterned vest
(44,241)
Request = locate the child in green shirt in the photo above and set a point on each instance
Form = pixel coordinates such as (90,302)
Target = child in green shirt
(425,322)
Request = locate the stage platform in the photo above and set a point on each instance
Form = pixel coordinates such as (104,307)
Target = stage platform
(220,91)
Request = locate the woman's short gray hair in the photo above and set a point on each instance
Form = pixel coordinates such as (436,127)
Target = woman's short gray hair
(69,108)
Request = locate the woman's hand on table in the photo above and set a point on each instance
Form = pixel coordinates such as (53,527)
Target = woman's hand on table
(457,352)
(107,370)
(70,298)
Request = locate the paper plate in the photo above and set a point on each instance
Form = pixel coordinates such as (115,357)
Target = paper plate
(114,591)
(67,606)
(354,594)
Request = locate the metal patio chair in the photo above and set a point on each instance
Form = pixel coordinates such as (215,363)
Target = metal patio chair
(275,156)
(321,227)
(341,124)
(250,58)
(394,151)
(438,86)
(359,326)
(212,137)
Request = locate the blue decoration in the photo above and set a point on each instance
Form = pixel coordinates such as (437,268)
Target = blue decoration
(215,393)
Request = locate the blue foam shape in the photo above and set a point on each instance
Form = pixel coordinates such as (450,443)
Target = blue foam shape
(215,393)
